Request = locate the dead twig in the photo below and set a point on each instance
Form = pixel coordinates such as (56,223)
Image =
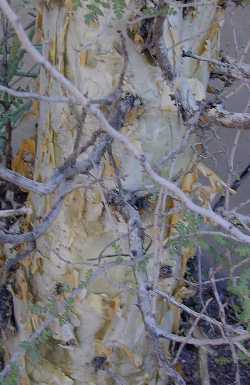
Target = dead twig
(226,67)
(15,212)
(190,332)
(225,334)
(138,154)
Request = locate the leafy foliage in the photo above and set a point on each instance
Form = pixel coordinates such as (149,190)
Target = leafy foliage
(50,309)
(96,9)
(118,7)
(11,108)
(242,290)
(187,231)
(189,235)
(12,378)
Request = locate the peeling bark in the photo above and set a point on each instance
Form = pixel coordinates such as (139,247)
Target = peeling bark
(106,324)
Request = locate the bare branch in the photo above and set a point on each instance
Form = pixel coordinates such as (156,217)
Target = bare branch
(16,239)
(171,187)
(226,67)
(224,119)
(40,229)
(31,185)
(15,212)
(200,341)
(67,170)
(161,50)
(12,263)
(33,95)
(136,238)
(225,334)
(210,320)
(191,330)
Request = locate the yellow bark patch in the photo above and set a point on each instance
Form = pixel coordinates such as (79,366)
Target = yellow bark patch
(72,278)
(110,308)
(134,114)
(217,184)
(21,284)
(83,58)
(210,36)
(88,58)
(53,51)
(2,260)
(172,219)
(109,170)
(135,360)
(36,263)
(69,4)
(179,369)
(181,292)
(35,109)
(50,148)
(35,322)
(138,39)
(188,181)
(102,350)
(23,162)
(24,380)
(63,57)
(91,60)
(188,252)
(39,27)
(188,185)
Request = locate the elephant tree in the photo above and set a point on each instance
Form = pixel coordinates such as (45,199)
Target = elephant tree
(123,105)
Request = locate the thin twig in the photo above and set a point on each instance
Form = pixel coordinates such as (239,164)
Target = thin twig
(190,332)
(15,212)
(205,317)
(225,334)
(34,96)
(227,67)
(138,154)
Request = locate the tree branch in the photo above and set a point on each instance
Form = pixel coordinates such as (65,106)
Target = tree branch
(31,185)
(227,67)
(15,212)
(224,119)
(33,95)
(138,154)
(185,308)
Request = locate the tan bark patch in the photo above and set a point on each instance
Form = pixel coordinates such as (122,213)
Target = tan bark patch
(23,162)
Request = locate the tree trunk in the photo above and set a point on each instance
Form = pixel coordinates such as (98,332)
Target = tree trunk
(106,323)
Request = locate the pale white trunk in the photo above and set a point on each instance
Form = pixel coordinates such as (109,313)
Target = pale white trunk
(106,321)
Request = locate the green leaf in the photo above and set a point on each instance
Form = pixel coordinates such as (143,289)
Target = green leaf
(118,7)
